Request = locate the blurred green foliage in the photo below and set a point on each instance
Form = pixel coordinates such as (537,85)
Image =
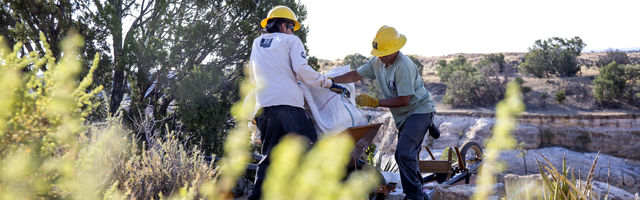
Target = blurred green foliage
(501,140)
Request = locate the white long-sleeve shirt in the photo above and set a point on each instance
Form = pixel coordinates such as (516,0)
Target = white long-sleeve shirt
(277,62)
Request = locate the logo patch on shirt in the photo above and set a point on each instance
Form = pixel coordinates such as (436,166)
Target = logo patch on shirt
(392,85)
(303,54)
(265,43)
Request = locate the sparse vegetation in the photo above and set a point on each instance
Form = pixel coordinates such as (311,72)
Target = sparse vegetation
(561,96)
(544,97)
(612,55)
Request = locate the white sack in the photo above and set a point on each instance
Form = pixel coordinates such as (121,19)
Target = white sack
(332,112)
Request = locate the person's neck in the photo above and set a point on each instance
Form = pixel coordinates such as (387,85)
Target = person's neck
(391,60)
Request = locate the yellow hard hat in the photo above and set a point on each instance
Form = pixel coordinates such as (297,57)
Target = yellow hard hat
(281,12)
(387,41)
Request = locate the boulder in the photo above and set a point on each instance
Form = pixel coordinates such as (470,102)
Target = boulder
(522,187)
(463,192)
(529,136)
(387,137)
(478,132)
(621,142)
(451,130)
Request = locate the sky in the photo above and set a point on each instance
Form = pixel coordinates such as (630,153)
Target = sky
(440,27)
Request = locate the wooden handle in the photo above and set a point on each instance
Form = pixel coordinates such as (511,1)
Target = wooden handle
(460,161)
(430,154)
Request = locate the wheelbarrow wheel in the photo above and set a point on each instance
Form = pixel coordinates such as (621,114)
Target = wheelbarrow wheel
(375,195)
(471,154)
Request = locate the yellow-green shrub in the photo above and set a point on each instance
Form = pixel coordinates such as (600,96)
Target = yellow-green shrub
(506,121)
(42,107)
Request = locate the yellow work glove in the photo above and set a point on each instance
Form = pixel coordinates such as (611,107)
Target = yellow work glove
(366,100)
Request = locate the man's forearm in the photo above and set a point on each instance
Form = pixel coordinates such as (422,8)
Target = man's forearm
(395,102)
(349,77)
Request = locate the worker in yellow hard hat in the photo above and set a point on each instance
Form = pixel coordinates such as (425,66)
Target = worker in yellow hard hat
(404,94)
(278,61)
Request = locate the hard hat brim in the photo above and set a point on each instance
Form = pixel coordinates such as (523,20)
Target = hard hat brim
(399,45)
(263,23)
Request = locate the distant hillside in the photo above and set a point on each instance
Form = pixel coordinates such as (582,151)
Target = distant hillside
(513,59)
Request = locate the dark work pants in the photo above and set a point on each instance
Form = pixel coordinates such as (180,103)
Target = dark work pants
(273,123)
(409,142)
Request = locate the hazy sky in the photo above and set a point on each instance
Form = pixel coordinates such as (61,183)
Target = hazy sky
(441,27)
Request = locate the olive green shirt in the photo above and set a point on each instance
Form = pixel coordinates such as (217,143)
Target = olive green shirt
(400,79)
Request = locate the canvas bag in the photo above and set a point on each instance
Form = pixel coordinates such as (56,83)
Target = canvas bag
(332,112)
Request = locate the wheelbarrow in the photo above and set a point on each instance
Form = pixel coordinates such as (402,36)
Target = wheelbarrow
(446,172)
(363,136)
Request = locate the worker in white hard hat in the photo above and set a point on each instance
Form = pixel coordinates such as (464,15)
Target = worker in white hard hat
(278,61)
(404,94)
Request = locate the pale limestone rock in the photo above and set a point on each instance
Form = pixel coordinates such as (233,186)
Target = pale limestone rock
(522,187)
(462,192)
(529,136)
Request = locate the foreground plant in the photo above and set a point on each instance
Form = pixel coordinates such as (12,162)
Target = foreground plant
(561,185)
(42,110)
(501,140)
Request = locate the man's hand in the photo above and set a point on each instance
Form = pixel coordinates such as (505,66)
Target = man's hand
(366,100)
(339,89)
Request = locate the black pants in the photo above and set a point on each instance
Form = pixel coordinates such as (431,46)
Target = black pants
(273,123)
(409,142)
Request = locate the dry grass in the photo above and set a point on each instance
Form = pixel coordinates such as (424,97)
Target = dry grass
(161,168)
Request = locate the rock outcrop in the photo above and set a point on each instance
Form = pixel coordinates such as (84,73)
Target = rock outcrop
(622,173)
(463,192)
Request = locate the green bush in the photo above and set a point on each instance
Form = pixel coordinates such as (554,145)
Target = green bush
(631,92)
(495,61)
(461,89)
(519,81)
(561,96)
(355,60)
(445,69)
(466,86)
(553,56)
(609,85)
(418,64)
